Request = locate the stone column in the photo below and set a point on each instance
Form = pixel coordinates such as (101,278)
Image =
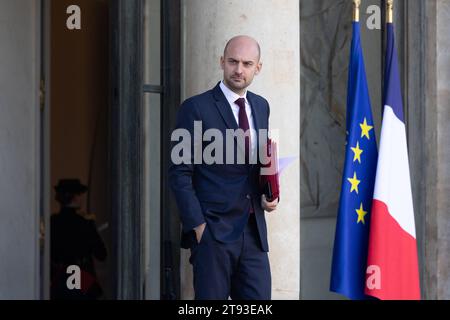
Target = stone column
(442,235)
(206,27)
(19,150)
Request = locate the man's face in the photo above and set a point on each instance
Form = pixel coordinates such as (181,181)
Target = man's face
(240,64)
(76,201)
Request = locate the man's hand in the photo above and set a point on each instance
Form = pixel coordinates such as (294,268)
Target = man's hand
(199,231)
(268,206)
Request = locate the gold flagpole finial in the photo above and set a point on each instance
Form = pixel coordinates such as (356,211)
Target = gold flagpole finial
(356,5)
(390,11)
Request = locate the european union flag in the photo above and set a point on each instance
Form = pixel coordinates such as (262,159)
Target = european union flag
(352,228)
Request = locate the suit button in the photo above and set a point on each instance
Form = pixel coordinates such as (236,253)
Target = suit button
(248,197)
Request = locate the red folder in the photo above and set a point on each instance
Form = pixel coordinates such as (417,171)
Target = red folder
(269,178)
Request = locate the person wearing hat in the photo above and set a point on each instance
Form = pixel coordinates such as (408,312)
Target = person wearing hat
(74,241)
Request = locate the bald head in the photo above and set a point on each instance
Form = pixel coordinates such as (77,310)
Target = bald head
(240,63)
(243,41)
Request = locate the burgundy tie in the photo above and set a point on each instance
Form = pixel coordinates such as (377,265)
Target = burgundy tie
(243,124)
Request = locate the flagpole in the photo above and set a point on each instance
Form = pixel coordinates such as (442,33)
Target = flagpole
(356,5)
(390,11)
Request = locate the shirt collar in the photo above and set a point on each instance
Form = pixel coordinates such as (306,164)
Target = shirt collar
(230,95)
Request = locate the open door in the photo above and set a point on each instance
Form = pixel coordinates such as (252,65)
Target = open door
(145,95)
(78,131)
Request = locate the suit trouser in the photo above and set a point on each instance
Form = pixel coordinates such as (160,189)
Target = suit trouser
(239,270)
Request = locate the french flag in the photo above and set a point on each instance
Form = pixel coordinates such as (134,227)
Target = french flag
(392,266)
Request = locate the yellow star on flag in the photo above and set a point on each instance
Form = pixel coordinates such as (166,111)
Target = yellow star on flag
(365,129)
(361,214)
(357,151)
(354,182)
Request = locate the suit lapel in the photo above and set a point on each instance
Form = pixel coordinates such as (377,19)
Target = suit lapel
(257,116)
(224,108)
(258,119)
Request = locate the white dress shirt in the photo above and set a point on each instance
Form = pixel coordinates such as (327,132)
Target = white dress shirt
(231,98)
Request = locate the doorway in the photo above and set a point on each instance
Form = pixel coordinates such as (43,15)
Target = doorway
(113,94)
(79,113)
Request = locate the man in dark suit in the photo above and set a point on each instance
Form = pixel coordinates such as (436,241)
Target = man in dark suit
(220,203)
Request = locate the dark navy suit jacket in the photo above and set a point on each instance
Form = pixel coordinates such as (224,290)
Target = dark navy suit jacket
(218,194)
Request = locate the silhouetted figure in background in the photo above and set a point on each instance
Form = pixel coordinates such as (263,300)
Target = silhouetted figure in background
(74,241)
